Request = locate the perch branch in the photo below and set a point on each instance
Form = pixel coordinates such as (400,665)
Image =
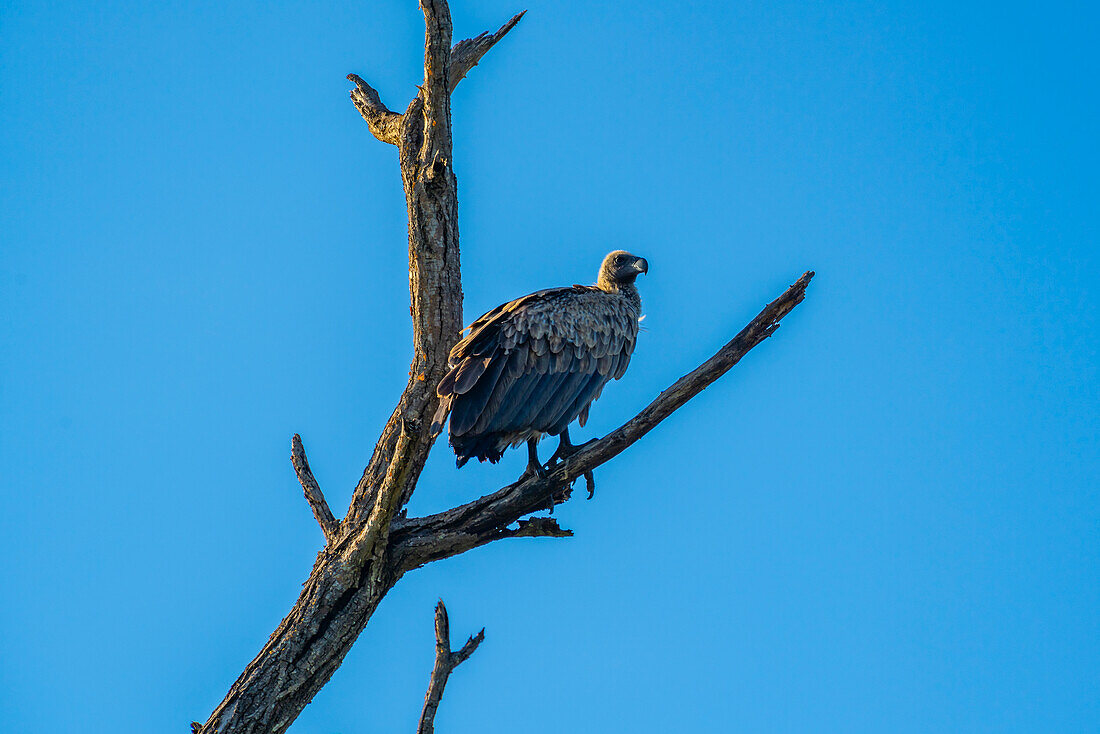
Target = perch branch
(446,661)
(314,496)
(416,541)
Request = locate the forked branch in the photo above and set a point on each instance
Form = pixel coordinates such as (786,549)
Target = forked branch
(384,123)
(446,660)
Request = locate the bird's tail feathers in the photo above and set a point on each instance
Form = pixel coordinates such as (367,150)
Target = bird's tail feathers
(440,416)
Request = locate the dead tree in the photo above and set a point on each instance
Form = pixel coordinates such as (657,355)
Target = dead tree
(374,545)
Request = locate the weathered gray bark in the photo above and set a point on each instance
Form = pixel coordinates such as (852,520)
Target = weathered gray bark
(368,551)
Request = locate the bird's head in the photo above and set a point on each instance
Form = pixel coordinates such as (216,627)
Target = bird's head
(620,268)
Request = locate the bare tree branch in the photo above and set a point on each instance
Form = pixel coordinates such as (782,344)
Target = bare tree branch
(325,518)
(417,541)
(383,122)
(445,662)
(467,650)
(466,54)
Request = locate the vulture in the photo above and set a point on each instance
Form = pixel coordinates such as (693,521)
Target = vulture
(532,366)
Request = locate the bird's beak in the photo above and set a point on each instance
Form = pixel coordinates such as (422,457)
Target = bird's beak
(641,265)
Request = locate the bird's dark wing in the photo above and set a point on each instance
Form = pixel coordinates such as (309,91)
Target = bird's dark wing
(536,363)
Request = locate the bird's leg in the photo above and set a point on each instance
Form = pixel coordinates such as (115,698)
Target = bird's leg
(565,449)
(534,466)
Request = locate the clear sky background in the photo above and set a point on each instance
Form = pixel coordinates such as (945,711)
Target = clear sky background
(886,519)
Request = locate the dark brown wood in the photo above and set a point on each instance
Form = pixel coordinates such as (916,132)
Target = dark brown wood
(446,660)
(374,545)
(314,496)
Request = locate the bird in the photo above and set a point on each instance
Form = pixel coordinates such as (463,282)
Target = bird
(532,366)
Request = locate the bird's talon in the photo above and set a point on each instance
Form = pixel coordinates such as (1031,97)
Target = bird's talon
(533,471)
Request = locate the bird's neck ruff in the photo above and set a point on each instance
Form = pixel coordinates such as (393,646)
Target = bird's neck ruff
(619,288)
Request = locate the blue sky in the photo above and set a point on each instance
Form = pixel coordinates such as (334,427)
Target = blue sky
(886,519)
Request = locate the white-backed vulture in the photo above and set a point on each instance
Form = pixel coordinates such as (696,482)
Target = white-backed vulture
(534,365)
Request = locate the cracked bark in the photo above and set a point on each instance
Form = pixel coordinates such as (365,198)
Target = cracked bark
(368,551)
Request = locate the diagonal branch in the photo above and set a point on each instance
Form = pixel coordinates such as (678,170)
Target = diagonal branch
(417,541)
(372,536)
(466,54)
(328,522)
(446,661)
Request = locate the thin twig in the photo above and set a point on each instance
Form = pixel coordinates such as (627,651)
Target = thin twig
(446,660)
(466,54)
(328,522)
